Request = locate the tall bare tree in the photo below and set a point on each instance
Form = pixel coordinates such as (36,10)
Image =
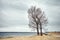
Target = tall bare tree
(36,19)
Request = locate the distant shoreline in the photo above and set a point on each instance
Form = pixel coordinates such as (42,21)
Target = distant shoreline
(48,32)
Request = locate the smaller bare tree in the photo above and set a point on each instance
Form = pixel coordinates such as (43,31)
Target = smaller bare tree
(36,19)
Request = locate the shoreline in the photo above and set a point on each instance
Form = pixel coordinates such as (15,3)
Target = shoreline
(35,37)
(50,36)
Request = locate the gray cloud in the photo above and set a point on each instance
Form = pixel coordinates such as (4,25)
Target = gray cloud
(8,20)
(49,2)
(53,2)
(14,5)
(13,12)
(52,10)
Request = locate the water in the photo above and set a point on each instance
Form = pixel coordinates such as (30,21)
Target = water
(11,34)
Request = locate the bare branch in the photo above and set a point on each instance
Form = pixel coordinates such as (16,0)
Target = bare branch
(36,17)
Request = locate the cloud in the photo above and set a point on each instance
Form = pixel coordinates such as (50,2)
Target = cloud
(49,2)
(11,17)
(18,28)
(52,11)
(14,13)
(53,2)
(14,4)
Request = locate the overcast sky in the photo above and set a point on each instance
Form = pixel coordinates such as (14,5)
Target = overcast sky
(14,16)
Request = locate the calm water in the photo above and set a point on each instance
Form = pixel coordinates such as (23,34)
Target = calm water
(9,34)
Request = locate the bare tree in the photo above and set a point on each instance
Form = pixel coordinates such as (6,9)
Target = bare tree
(36,19)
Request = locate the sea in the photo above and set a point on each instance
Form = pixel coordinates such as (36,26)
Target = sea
(12,34)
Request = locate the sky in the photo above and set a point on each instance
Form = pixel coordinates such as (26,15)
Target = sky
(14,16)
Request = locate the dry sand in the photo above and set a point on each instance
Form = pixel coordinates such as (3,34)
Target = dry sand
(44,37)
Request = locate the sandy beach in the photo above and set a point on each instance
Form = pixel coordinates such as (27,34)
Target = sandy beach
(44,37)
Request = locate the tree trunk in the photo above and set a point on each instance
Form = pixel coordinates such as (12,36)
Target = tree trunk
(41,29)
(37,30)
